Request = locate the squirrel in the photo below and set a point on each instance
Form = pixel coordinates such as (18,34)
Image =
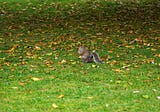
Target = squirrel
(88,56)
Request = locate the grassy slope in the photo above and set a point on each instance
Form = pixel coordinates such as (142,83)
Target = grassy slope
(46,39)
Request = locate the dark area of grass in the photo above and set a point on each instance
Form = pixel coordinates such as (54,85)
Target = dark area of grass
(42,14)
(40,69)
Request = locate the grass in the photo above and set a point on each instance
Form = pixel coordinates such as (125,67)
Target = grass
(39,65)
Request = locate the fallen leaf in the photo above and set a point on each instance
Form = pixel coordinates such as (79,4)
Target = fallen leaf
(63,61)
(36,79)
(12,48)
(14,87)
(73,63)
(49,54)
(110,51)
(54,105)
(29,54)
(157,55)
(118,70)
(90,97)
(94,66)
(145,96)
(130,46)
(61,96)
(154,90)
(153,49)
(136,91)
(37,48)
(99,34)
(118,82)
(22,83)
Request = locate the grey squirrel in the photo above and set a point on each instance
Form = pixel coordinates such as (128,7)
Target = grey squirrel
(88,56)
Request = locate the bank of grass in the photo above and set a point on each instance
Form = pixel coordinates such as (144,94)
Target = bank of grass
(39,65)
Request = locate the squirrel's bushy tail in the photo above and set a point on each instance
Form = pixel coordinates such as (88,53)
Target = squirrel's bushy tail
(96,57)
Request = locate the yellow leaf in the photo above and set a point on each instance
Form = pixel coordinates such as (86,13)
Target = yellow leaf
(49,54)
(14,87)
(130,46)
(54,105)
(136,91)
(22,83)
(94,66)
(36,79)
(61,96)
(118,70)
(90,97)
(12,48)
(145,96)
(153,49)
(73,63)
(28,53)
(118,82)
(63,61)
(35,56)
(37,48)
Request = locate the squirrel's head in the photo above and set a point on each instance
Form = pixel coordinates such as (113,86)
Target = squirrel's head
(81,50)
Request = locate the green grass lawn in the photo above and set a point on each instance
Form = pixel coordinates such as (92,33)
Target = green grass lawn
(40,69)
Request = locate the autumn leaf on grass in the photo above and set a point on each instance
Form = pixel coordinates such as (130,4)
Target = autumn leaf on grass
(37,48)
(118,70)
(48,63)
(153,49)
(157,55)
(62,62)
(49,54)
(136,91)
(90,97)
(130,46)
(54,105)
(110,51)
(139,40)
(22,83)
(60,96)
(73,62)
(126,67)
(14,87)
(99,34)
(94,66)
(151,60)
(118,82)
(114,62)
(7,63)
(12,48)
(145,96)
(29,54)
(107,41)
(36,79)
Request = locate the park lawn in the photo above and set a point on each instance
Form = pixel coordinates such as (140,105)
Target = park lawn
(40,69)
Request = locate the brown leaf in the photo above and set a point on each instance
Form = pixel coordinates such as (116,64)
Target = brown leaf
(12,48)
